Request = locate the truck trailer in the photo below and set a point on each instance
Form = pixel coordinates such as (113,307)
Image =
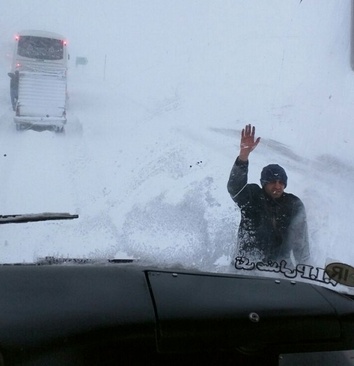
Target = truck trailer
(40,64)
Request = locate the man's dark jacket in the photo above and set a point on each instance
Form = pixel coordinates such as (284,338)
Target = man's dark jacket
(270,229)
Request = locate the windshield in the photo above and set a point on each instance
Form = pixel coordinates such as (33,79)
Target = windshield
(139,137)
(41,48)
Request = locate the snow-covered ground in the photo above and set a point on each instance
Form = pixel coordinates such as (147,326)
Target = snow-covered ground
(154,124)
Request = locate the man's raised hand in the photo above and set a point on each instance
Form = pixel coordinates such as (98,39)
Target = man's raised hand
(248,142)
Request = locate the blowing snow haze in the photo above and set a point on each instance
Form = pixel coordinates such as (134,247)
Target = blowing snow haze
(154,121)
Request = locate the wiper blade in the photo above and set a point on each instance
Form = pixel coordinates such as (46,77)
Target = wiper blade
(59,260)
(17,219)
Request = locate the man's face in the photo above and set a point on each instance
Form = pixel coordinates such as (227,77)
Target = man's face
(275,189)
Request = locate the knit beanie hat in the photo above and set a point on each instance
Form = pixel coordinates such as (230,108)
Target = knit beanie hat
(273,172)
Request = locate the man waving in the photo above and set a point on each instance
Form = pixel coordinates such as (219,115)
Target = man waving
(273,223)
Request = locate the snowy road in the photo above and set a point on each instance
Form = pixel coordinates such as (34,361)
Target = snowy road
(140,186)
(148,183)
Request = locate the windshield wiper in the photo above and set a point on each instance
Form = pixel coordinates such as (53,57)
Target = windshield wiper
(60,260)
(21,218)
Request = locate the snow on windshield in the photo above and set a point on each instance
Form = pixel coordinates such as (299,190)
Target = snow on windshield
(154,123)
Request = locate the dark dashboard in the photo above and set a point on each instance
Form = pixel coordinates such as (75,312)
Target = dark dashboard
(130,314)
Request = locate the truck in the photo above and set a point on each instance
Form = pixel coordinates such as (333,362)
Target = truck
(40,62)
